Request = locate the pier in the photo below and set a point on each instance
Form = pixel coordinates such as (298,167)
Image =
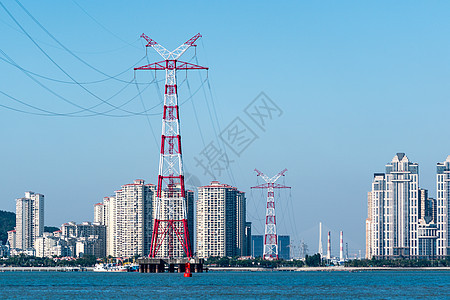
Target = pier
(171,265)
(45,269)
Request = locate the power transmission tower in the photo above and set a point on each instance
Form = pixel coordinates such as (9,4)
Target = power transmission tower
(170,236)
(270,230)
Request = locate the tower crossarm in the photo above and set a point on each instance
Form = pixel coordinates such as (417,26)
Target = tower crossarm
(270,180)
(275,178)
(171,65)
(182,48)
(270,185)
(160,49)
(262,175)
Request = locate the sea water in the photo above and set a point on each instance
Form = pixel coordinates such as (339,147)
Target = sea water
(319,285)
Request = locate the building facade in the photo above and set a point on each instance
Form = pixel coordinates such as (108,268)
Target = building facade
(174,207)
(369,226)
(403,221)
(443,208)
(29,219)
(221,221)
(12,238)
(132,209)
(257,245)
(395,210)
(284,247)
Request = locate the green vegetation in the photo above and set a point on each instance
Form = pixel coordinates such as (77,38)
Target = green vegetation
(7,223)
(314,261)
(405,263)
(31,261)
(247,263)
(50,229)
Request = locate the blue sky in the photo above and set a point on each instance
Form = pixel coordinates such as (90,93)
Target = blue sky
(356,82)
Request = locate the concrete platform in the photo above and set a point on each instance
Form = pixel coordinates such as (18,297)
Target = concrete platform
(171,265)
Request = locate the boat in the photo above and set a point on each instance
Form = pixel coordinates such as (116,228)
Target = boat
(102,267)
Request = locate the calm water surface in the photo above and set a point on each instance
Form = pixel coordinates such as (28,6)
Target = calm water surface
(319,285)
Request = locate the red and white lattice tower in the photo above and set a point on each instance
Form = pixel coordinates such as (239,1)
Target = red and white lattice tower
(270,230)
(170,236)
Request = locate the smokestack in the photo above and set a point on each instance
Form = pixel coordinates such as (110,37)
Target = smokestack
(341,250)
(320,241)
(329,246)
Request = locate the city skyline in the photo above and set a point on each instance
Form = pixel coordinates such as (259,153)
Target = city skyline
(350,83)
(403,221)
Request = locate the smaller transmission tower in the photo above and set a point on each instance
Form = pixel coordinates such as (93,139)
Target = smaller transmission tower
(270,230)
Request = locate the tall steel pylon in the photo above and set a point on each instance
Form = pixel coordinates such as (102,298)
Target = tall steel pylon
(270,230)
(170,237)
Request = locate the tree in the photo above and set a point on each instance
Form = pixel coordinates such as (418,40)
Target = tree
(7,223)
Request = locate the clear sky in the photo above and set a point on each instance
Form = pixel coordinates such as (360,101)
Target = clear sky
(354,82)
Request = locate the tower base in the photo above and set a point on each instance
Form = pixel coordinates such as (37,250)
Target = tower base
(171,265)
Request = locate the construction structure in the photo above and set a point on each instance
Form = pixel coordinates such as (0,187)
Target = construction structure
(329,246)
(270,230)
(170,237)
(320,241)
(341,246)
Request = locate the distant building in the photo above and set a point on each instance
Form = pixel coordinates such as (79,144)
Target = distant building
(443,208)
(79,239)
(29,219)
(395,210)
(133,219)
(284,247)
(427,206)
(190,200)
(171,206)
(69,230)
(12,238)
(4,250)
(257,245)
(100,213)
(427,236)
(221,221)
(369,226)
(248,239)
(50,245)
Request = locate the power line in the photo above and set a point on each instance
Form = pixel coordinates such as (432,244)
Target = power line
(102,26)
(71,102)
(68,82)
(58,42)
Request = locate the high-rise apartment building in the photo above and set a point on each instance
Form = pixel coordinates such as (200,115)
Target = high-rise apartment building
(369,226)
(190,200)
(443,208)
(110,221)
(133,219)
(29,219)
(395,210)
(220,221)
(100,213)
(129,216)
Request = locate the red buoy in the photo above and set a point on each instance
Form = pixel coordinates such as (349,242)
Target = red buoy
(187,271)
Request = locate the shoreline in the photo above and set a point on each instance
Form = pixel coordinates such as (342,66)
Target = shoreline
(241,269)
(324,269)
(46,269)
